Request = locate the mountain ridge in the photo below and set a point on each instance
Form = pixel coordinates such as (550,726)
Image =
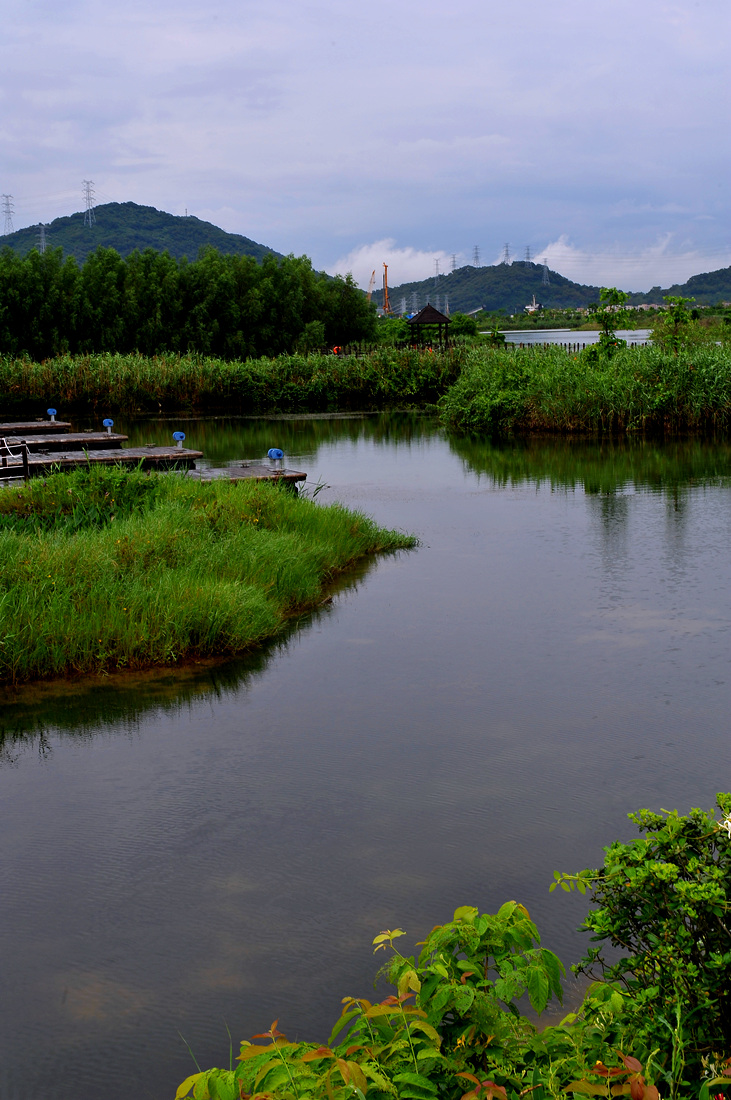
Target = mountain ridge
(126,226)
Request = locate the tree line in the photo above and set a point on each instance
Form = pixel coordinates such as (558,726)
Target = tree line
(231,307)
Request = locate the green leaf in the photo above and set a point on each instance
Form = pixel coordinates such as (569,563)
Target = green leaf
(537,982)
(414,1085)
(188,1083)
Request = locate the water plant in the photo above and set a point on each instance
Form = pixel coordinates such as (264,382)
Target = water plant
(453,1027)
(104,569)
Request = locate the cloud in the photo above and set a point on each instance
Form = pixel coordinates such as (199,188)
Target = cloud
(656,265)
(405,264)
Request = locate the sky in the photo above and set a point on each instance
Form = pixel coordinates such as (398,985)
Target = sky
(594,133)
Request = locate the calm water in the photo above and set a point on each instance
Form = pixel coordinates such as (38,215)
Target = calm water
(182,852)
(571,336)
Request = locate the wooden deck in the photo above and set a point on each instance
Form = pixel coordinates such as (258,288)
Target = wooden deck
(148,458)
(247,471)
(74,441)
(34,427)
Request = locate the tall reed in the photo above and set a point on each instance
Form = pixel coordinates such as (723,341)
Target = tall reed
(110,570)
(550,389)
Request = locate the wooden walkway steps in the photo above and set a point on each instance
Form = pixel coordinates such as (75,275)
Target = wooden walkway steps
(34,427)
(74,441)
(247,471)
(148,458)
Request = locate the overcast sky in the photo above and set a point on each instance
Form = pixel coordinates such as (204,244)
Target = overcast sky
(593,132)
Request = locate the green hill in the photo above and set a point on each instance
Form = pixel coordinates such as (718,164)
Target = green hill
(509,287)
(126,226)
(708,289)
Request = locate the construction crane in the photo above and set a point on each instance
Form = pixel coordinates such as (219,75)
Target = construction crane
(386,302)
(371,284)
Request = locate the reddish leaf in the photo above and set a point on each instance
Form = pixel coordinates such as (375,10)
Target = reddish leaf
(465,976)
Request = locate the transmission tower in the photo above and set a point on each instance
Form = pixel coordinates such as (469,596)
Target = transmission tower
(527,254)
(446,304)
(476,255)
(414,302)
(89,218)
(8,213)
(436,303)
(41,238)
(506,255)
(545,281)
(454,261)
(403,306)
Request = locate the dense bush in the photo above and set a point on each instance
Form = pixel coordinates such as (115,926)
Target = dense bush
(657,1019)
(221,305)
(632,389)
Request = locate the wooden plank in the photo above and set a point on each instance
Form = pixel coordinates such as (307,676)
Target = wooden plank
(247,471)
(74,441)
(34,427)
(149,458)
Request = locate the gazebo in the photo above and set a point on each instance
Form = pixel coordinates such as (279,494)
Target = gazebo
(428,317)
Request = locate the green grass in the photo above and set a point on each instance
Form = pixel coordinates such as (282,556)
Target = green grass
(104,569)
(549,389)
(386,378)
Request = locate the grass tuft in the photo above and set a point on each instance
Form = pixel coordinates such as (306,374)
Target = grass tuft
(107,569)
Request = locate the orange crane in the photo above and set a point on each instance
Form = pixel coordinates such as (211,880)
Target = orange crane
(371,284)
(386,302)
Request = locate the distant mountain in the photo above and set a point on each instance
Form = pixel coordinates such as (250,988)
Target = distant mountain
(708,289)
(511,287)
(126,226)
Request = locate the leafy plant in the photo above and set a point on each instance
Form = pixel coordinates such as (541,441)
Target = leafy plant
(663,901)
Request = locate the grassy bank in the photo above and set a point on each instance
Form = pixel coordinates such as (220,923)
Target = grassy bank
(289,383)
(549,389)
(104,569)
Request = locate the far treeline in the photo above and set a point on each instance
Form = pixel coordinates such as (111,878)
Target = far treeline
(232,307)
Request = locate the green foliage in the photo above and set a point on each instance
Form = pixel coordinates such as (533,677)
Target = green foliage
(664,902)
(288,383)
(551,389)
(677,328)
(463,326)
(105,569)
(231,306)
(610,314)
(453,1029)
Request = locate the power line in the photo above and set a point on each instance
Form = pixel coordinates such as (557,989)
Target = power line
(8,213)
(89,218)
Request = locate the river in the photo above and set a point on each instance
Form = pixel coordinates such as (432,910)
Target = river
(188,852)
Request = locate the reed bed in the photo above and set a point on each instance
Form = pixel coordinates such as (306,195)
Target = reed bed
(386,378)
(105,569)
(550,389)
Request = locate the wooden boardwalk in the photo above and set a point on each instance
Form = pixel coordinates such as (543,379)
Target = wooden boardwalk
(247,471)
(34,427)
(147,458)
(33,447)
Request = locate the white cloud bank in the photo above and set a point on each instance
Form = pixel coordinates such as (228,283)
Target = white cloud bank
(405,264)
(657,265)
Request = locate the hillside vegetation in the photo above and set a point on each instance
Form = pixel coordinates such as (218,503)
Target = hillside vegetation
(126,226)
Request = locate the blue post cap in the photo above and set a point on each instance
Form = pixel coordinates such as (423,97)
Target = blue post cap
(275,452)
(178,436)
(51,412)
(108,423)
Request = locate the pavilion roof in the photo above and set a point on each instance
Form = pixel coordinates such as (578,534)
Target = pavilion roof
(429,316)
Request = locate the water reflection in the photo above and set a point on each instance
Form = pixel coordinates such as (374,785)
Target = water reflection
(604,466)
(221,843)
